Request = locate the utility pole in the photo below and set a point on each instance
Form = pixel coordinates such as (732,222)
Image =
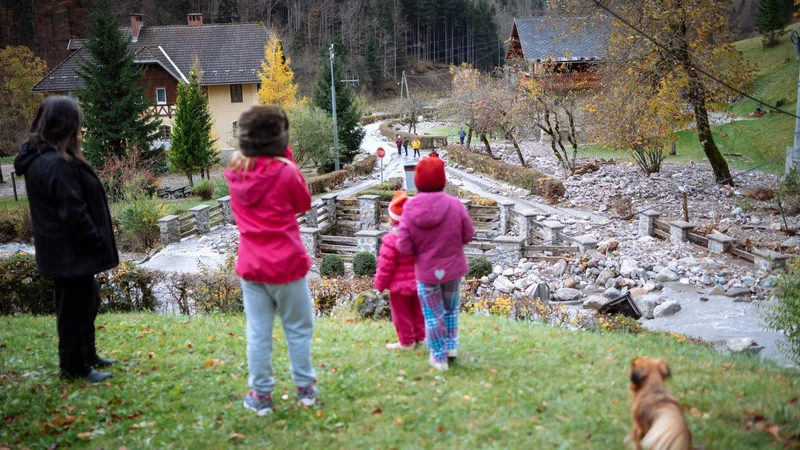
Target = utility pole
(793,157)
(335,127)
(404,84)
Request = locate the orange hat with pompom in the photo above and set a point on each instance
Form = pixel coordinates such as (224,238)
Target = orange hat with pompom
(396,206)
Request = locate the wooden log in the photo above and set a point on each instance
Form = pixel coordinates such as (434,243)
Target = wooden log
(552,248)
(484,216)
(661,233)
(186,234)
(337,248)
(742,254)
(697,238)
(339,239)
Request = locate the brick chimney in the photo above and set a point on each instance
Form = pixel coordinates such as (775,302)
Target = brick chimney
(137,22)
(194,19)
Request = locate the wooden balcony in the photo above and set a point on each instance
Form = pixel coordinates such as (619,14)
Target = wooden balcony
(162,110)
(571,80)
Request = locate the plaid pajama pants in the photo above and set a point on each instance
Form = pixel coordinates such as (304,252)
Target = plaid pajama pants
(440,303)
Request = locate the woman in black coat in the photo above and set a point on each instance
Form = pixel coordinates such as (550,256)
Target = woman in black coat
(72,230)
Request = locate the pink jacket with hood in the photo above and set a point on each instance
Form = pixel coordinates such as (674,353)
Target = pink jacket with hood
(265,200)
(435,228)
(395,271)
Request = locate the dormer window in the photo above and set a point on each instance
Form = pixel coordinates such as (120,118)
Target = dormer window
(161,96)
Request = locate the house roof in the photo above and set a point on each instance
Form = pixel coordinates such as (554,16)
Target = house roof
(228,54)
(563,38)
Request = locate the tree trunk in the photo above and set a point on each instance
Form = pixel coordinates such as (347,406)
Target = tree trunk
(510,136)
(189,176)
(722,173)
(469,133)
(486,144)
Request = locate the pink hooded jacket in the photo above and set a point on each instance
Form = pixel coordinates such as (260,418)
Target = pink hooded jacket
(265,200)
(435,228)
(395,271)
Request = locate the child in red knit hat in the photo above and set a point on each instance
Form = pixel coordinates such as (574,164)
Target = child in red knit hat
(396,272)
(435,228)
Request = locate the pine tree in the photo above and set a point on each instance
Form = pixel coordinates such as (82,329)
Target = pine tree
(277,79)
(228,11)
(116,110)
(371,63)
(773,16)
(192,148)
(348,117)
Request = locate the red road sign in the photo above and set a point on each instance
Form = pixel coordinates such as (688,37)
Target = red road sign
(381,153)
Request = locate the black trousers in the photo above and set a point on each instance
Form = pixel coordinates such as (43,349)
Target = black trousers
(405,147)
(416,152)
(77,302)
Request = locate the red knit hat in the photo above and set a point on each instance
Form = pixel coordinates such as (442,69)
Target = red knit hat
(429,175)
(396,206)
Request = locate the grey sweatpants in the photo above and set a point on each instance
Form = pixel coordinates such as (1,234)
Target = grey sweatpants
(293,302)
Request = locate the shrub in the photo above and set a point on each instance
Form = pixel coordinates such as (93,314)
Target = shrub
(203,189)
(327,293)
(479,267)
(619,323)
(16,224)
(510,173)
(783,314)
(319,184)
(550,188)
(24,291)
(364,264)
(789,192)
(221,188)
(648,159)
(761,193)
(363,167)
(124,174)
(137,221)
(426,142)
(331,266)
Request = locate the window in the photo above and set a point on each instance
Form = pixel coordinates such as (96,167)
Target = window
(165,132)
(235,128)
(236,93)
(161,96)
(72,95)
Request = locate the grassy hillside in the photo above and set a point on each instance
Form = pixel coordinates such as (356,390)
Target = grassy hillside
(181,380)
(758,140)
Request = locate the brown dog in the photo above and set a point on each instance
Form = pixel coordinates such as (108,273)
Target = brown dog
(658,421)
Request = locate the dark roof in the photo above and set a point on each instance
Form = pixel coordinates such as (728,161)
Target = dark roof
(228,54)
(563,38)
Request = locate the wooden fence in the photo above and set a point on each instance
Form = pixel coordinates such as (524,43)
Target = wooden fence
(348,213)
(344,246)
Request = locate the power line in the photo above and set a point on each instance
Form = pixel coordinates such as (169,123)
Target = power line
(695,67)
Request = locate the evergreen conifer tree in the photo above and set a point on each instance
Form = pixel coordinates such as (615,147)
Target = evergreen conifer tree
(348,116)
(371,63)
(116,110)
(277,79)
(773,16)
(228,11)
(192,148)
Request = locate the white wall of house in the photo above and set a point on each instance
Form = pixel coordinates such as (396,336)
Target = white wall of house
(225,112)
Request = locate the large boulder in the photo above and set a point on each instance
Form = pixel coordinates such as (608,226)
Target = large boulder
(628,267)
(568,294)
(605,275)
(666,309)
(503,284)
(372,305)
(612,293)
(739,345)
(666,275)
(595,302)
(647,303)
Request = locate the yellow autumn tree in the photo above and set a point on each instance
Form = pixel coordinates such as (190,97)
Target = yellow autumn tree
(277,79)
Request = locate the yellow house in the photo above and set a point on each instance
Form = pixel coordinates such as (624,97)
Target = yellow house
(229,55)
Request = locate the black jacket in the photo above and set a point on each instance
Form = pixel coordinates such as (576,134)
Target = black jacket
(72,227)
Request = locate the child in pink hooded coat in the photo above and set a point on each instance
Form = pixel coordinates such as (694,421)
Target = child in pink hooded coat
(435,228)
(267,190)
(396,273)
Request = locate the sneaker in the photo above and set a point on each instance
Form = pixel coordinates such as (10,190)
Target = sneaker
(261,404)
(422,343)
(307,395)
(452,353)
(399,346)
(437,365)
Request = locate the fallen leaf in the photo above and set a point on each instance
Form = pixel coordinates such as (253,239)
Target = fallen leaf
(85,435)
(234,376)
(377,411)
(466,397)
(150,355)
(101,410)
(773,430)
(740,395)
(440,429)
(237,436)
(211,338)
(398,421)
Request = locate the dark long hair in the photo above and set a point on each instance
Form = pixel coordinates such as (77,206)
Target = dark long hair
(57,124)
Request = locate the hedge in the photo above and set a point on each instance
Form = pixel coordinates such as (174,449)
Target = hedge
(363,167)
(321,183)
(510,173)
(372,118)
(24,291)
(426,142)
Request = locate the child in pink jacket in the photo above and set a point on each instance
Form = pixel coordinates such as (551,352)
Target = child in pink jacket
(435,228)
(267,190)
(396,272)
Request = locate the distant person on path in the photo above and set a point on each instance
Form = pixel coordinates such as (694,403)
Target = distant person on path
(267,191)
(72,230)
(405,145)
(396,273)
(415,145)
(399,143)
(435,228)
(461,135)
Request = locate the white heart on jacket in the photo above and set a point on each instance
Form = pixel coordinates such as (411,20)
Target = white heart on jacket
(439,274)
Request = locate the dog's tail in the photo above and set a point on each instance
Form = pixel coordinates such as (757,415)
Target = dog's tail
(669,432)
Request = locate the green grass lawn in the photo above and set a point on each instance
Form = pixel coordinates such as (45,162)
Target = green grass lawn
(181,380)
(7,159)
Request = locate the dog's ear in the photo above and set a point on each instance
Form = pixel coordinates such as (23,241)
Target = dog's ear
(663,368)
